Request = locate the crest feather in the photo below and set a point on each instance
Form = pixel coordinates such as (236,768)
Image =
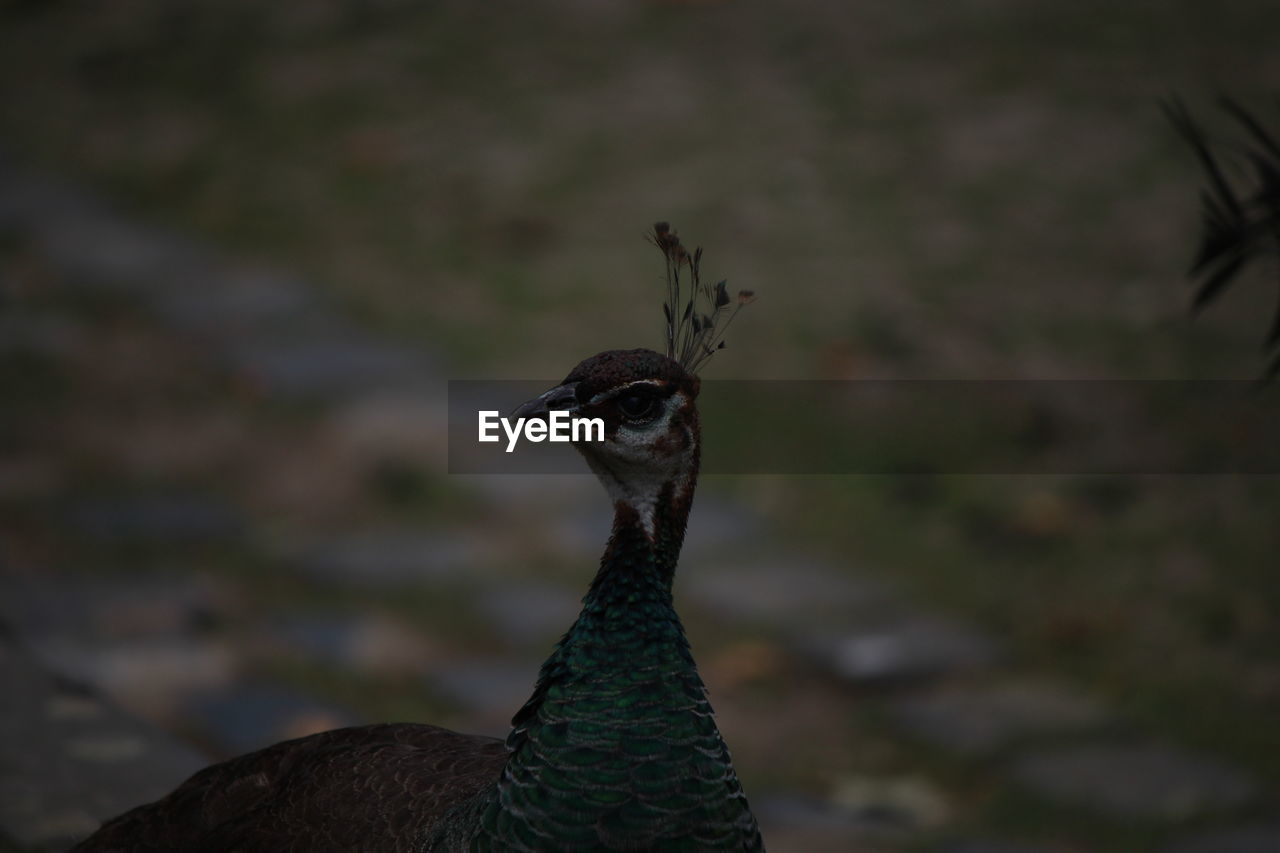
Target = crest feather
(696,323)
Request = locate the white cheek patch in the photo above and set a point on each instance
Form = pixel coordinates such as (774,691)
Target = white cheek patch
(635,472)
(641,496)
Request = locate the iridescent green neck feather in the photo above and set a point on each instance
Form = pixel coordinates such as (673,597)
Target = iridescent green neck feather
(617,749)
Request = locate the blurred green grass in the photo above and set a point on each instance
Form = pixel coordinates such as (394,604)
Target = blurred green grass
(982,190)
(997,179)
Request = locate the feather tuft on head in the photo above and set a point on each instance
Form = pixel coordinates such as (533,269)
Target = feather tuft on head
(696,323)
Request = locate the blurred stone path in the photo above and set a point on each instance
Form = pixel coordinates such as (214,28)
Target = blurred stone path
(220,496)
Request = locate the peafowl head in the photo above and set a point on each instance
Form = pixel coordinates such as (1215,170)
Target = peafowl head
(646,400)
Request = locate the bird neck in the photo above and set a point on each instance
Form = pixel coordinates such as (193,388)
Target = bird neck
(618,735)
(625,657)
(628,620)
(639,563)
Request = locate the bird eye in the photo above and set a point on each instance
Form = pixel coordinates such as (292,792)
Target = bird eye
(636,407)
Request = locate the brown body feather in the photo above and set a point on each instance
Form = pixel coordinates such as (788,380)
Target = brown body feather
(333,791)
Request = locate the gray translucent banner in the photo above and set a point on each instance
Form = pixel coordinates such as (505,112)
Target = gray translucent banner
(938,427)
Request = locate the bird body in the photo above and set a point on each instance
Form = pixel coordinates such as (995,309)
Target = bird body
(314,794)
(616,750)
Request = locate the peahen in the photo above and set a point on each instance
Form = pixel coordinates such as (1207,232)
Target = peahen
(616,749)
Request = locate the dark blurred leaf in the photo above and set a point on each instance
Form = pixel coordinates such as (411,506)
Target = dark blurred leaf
(1181,119)
(1251,124)
(1224,233)
(1213,286)
(1273,336)
(1235,232)
(1268,174)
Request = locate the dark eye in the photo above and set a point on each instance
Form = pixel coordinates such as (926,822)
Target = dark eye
(636,407)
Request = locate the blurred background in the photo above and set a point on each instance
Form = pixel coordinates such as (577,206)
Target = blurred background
(244,246)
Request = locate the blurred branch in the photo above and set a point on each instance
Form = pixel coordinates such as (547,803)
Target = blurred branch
(1240,221)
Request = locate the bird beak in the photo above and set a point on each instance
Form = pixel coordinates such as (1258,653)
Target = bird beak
(562,397)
